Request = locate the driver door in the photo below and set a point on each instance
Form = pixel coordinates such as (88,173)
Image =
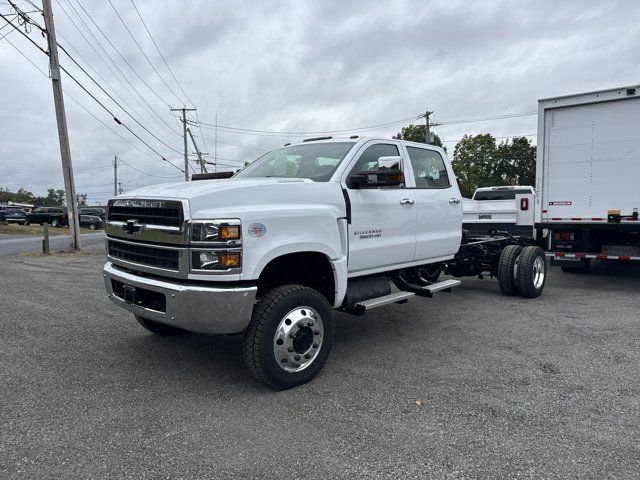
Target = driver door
(382,231)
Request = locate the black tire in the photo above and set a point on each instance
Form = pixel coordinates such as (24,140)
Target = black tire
(532,272)
(158,328)
(268,315)
(582,267)
(27,222)
(55,223)
(92,226)
(506,270)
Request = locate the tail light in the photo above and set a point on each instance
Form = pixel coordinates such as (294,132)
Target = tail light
(566,236)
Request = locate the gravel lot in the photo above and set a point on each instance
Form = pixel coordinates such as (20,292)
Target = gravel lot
(467,385)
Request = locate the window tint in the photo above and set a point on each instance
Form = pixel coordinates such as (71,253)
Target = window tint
(506,194)
(428,168)
(369,158)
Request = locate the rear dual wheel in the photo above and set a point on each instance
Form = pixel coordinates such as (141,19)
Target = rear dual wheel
(522,270)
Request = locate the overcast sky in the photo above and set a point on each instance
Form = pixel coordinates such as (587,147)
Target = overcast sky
(295,67)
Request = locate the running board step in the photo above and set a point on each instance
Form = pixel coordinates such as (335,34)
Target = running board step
(446,285)
(384,300)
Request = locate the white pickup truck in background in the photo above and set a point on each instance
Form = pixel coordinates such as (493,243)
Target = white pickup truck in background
(307,229)
(498,208)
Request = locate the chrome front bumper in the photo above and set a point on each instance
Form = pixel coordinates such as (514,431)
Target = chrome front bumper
(192,307)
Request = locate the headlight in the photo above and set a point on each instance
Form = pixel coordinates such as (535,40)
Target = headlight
(227,231)
(215,260)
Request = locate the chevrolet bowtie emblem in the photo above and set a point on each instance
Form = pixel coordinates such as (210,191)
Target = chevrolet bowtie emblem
(132,227)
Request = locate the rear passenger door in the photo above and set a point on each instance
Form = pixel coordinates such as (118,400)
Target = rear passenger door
(438,205)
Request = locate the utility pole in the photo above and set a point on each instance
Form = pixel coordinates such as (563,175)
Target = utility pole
(115,175)
(184,111)
(203,168)
(61,118)
(427,124)
(215,147)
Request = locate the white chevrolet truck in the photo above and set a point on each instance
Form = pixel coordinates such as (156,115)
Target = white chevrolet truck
(318,226)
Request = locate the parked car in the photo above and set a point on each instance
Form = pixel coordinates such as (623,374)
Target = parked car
(55,216)
(91,221)
(95,211)
(13,216)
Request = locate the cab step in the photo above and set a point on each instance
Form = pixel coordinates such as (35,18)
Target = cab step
(372,303)
(445,285)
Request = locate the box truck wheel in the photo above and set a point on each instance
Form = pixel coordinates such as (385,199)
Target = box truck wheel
(531,272)
(158,328)
(582,267)
(289,337)
(507,269)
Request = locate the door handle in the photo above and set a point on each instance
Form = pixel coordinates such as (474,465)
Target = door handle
(406,201)
(454,200)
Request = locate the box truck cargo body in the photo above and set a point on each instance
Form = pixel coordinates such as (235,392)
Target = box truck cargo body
(588,176)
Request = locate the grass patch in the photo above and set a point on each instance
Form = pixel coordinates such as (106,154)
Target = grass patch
(13,229)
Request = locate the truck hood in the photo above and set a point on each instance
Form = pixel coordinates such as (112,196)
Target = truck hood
(230,197)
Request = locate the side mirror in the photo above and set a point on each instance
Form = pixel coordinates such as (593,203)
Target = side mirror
(388,174)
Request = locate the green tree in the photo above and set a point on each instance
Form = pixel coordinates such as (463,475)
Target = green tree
(416,133)
(474,162)
(479,162)
(81,199)
(517,161)
(54,197)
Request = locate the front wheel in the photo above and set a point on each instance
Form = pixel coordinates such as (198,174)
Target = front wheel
(290,336)
(55,223)
(158,328)
(531,271)
(92,226)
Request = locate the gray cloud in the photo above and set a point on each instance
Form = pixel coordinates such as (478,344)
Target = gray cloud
(304,67)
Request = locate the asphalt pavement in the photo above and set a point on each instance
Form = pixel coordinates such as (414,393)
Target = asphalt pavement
(470,384)
(16,244)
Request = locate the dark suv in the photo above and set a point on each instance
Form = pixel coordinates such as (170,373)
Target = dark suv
(55,216)
(95,211)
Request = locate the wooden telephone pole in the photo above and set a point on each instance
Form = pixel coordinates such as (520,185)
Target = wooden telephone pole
(184,111)
(63,134)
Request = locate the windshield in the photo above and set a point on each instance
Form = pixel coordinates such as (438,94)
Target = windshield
(316,161)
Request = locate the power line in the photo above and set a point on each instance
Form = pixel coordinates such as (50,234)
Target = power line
(120,55)
(160,53)
(145,104)
(104,81)
(142,51)
(144,173)
(111,97)
(92,96)
(283,133)
(249,131)
(483,119)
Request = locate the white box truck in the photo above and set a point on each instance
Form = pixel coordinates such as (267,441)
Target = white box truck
(588,177)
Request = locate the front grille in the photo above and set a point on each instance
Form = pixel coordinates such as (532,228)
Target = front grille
(144,255)
(167,217)
(140,296)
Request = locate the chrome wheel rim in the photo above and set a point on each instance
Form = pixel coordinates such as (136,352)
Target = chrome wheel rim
(298,339)
(538,272)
